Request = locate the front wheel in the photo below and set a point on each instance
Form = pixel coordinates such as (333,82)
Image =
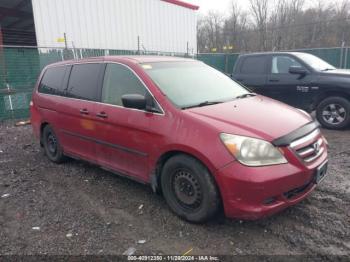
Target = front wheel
(189,189)
(334,113)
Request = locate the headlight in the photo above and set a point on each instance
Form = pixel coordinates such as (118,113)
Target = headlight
(251,151)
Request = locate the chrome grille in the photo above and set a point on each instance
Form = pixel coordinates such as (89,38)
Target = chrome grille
(310,147)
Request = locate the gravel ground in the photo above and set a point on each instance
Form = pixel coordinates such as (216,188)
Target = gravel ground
(76,208)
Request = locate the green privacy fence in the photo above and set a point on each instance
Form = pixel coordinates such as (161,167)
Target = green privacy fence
(20,67)
(222,62)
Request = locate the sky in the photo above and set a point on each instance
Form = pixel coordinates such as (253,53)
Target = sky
(223,5)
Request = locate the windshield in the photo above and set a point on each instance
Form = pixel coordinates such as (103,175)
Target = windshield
(191,84)
(315,62)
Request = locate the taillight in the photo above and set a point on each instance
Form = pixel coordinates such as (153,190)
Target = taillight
(31,103)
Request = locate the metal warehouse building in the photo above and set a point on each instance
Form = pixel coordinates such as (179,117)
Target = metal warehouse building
(148,25)
(34,33)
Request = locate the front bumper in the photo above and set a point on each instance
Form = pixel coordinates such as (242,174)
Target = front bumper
(255,192)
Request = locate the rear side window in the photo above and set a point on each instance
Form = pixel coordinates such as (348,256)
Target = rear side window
(52,81)
(254,65)
(84,81)
(118,81)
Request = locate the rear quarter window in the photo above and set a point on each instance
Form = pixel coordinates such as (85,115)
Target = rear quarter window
(254,65)
(52,81)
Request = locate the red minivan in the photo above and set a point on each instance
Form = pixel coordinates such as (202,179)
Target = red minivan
(202,140)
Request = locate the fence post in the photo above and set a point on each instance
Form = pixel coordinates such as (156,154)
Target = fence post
(341,55)
(341,58)
(346,57)
(138,44)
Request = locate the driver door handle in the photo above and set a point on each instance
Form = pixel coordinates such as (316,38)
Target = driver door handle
(274,80)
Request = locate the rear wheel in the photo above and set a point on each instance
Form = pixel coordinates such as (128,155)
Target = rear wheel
(189,189)
(52,147)
(334,112)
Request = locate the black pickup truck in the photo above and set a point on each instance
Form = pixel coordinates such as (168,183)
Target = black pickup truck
(301,80)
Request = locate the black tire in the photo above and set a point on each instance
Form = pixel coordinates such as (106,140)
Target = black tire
(189,189)
(334,112)
(52,147)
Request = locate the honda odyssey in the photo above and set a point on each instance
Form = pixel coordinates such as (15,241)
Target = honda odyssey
(195,135)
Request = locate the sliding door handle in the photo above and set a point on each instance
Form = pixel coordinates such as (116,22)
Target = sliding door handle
(84,111)
(102,115)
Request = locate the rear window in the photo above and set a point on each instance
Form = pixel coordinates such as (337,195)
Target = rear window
(84,81)
(52,81)
(254,65)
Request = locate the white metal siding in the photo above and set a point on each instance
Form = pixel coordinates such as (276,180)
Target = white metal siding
(116,24)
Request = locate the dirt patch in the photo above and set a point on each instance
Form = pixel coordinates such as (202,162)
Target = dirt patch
(76,208)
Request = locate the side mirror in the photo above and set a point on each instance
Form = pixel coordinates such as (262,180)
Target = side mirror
(297,70)
(135,101)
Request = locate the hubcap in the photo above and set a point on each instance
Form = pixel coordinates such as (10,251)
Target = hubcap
(187,189)
(334,114)
(52,144)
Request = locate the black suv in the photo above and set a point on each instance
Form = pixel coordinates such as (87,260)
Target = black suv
(301,80)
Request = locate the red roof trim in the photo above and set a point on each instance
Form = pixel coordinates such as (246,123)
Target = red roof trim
(183,4)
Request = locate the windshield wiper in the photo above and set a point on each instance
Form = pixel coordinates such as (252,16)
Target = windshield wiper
(205,103)
(208,103)
(245,95)
(327,69)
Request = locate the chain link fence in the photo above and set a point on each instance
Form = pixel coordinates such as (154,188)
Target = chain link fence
(20,67)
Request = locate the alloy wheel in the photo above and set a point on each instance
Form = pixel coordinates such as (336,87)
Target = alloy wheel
(334,114)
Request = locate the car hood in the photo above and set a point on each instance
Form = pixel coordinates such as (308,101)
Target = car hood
(337,72)
(258,116)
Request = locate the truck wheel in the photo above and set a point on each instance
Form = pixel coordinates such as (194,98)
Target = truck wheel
(189,189)
(52,147)
(334,112)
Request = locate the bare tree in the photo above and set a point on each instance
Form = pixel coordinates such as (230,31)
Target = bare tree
(284,22)
(341,25)
(233,25)
(288,25)
(202,35)
(211,27)
(259,9)
(279,18)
